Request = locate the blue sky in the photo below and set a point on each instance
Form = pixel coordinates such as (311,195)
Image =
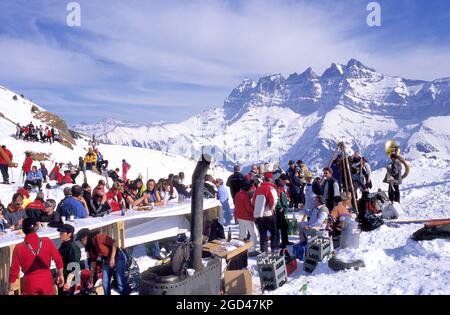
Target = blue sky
(145,61)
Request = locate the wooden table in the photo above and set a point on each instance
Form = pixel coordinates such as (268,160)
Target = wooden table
(236,259)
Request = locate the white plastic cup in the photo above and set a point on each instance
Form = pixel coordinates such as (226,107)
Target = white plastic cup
(63,219)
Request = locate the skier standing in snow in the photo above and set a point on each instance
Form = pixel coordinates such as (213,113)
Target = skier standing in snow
(125,167)
(394,178)
(4,165)
(26,167)
(44,172)
(222,194)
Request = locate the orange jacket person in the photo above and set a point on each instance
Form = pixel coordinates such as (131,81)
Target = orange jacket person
(34,257)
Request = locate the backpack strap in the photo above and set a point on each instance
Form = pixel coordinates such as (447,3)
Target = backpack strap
(32,250)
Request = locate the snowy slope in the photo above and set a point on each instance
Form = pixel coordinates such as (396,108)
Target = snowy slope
(155,163)
(303,116)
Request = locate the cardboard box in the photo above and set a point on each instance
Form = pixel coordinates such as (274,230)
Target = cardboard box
(237,282)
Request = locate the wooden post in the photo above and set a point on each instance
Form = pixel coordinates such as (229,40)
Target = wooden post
(118,233)
(5,263)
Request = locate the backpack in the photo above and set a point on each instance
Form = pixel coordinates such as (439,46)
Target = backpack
(132,273)
(370,222)
(217,231)
(370,202)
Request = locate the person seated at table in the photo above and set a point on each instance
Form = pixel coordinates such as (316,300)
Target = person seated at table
(14,213)
(317,220)
(73,204)
(133,199)
(87,195)
(115,197)
(209,188)
(181,189)
(36,208)
(153,193)
(49,215)
(140,186)
(100,186)
(99,204)
(25,192)
(34,178)
(168,193)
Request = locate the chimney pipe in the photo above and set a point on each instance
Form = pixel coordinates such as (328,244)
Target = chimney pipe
(198,181)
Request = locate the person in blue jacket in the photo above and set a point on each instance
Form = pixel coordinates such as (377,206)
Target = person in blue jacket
(34,178)
(72,204)
(222,195)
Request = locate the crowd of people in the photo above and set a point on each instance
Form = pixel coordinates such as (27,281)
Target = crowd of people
(36,133)
(262,198)
(79,202)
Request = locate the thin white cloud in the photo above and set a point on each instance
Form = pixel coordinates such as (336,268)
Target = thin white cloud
(22,60)
(208,43)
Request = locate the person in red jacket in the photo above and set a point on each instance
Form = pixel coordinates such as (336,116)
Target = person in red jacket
(26,168)
(36,208)
(55,171)
(114,260)
(115,197)
(264,200)
(125,168)
(64,179)
(243,212)
(4,164)
(34,257)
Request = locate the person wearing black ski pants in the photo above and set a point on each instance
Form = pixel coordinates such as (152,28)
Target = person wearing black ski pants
(394,193)
(268,224)
(282,226)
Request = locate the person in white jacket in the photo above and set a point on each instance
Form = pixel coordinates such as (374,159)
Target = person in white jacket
(264,201)
(309,194)
(317,220)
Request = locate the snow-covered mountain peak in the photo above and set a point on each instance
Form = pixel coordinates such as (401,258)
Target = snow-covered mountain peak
(303,116)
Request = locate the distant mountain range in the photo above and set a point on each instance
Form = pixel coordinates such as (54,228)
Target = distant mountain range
(303,116)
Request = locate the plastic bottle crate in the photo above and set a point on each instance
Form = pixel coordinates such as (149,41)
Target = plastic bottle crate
(318,248)
(309,265)
(272,271)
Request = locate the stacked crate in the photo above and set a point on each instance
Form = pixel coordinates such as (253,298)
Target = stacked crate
(272,271)
(317,249)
